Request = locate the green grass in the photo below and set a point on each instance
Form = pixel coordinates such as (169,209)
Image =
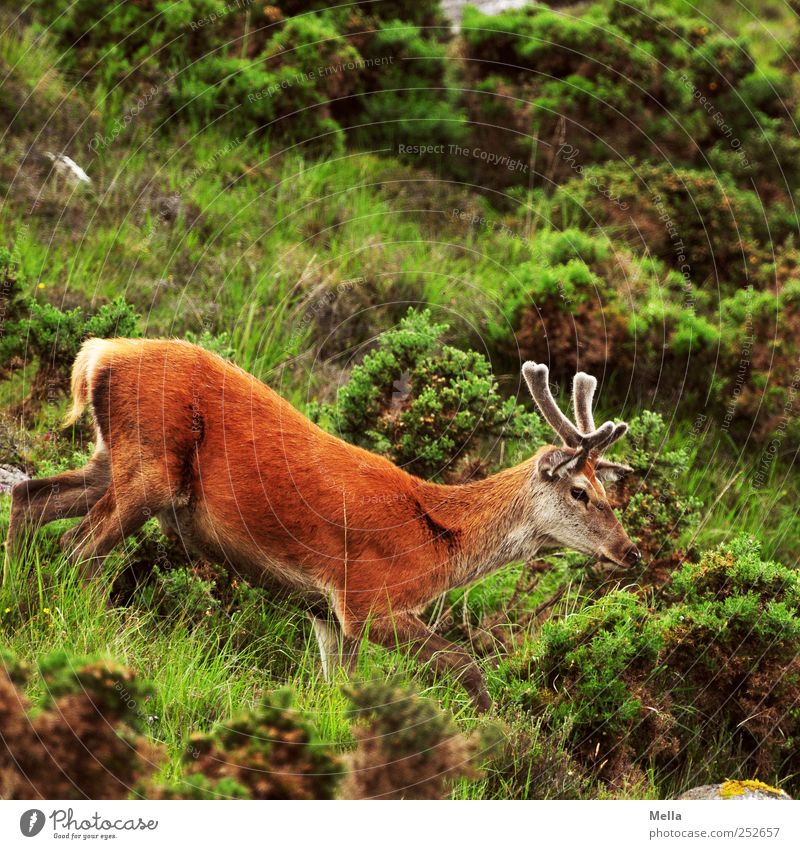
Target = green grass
(205,672)
(261,249)
(270,248)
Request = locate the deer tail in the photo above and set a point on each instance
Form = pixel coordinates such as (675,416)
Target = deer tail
(82,370)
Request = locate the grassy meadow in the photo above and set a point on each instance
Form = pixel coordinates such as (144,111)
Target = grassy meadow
(245,198)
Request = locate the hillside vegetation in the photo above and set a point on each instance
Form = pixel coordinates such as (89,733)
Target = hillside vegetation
(383,219)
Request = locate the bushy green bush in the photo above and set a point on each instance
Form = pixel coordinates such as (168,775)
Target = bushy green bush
(425,404)
(182,593)
(427,14)
(624,79)
(407,100)
(11,304)
(38,330)
(57,335)
(285,90)
(217,343)
(572,303)
(705,677)
(298,78)
(54,336)
(699,223)
(146,42)
(659,515)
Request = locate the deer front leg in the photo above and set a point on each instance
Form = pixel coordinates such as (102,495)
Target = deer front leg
(409,632)
(335,648)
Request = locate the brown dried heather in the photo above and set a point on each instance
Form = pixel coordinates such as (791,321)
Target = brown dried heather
(82,746)
(408,749)
(269,753)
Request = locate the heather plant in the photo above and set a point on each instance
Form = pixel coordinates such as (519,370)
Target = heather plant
(217,343)
(731,624)
(36,329)
(631,79)
(690,218)
(284,89)
(83,740)
(145,44)
(207,599)
(659,514)
(11,305)
(425,404)
(270,752)
(180,592)
(407,747)
(421,14)
(408,98)
(574,231)
(302,73)
(707,667)
(54,336)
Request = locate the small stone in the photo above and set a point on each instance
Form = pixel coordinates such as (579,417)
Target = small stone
(747,790)
(9,476)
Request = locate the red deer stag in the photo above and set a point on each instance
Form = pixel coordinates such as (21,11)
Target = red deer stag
(245,479)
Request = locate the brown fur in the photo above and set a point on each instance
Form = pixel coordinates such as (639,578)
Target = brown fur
(246,479)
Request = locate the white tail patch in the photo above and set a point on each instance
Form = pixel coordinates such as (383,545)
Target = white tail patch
(83,375)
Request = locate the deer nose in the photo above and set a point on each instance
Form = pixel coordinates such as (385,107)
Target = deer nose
(633,556)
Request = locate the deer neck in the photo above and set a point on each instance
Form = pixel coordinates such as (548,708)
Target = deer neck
(490,522)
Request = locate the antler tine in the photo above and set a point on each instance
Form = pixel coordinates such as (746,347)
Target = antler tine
(536,376)
(617,432)
(583,387)
(592,442)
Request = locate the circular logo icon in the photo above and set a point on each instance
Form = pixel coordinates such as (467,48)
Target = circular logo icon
(31,822)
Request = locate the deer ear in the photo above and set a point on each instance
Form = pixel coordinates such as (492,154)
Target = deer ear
(557,463)
(609,472)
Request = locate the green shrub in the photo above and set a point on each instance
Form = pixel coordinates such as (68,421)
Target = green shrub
(628,79)
(659,516)
(38,330)
(295,78)
(143,42)
(703,680)
(219,343)
(698,222)
(11,304)
(285,90)
(425,404)
(181,593)
(407,98)
(361,15)
(82,740)
(54,336)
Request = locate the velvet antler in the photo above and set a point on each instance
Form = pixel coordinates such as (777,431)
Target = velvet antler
(590,440)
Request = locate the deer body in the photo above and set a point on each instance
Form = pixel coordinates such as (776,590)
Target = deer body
(240,475)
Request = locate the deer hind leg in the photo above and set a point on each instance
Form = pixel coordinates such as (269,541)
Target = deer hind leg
(408,632)
(68,495)
(137,491)
(336,649)
(104,527)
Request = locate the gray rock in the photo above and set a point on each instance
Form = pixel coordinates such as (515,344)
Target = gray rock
(728,790)
(10,475)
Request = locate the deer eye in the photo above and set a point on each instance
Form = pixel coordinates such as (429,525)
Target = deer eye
(579,494)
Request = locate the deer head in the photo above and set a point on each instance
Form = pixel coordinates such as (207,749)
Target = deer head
(569,479)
